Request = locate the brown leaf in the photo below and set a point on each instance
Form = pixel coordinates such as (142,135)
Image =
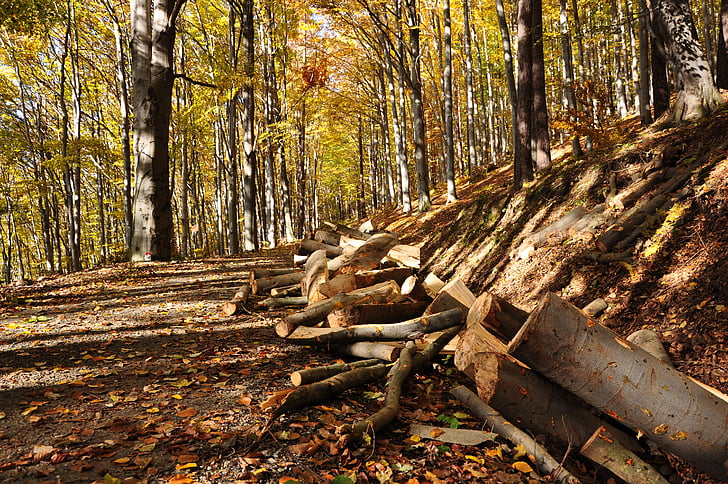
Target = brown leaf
(187,412)
(186,458)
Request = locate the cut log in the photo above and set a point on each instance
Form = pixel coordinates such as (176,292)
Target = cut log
(557,231)
(350,282)
(432,284)
(405,255)
(317,312)
(651,343)
(626,382)
(452,436)
(497,315)
(309,246)
(282,302)
(368,349)
(237,304)
(536,453)
(411,329)
(348,231)
(595,307)
(375,313)
(413,289)
(299,260)
(635,190)
(474,340)
(310,375)
(369,255)
(286,291)
(338,284)
(367,227)
(454,294)
(266,283)
(327,237)
(606,451)
(316,273)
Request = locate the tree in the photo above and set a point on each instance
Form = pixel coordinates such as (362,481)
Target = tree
(250,227)
(698,95)
(540,129)
(522,161)
(153,72)
(722,62)
(447,81)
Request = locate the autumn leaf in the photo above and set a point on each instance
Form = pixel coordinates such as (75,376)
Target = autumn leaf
(186,458)
(122,460)
(187,412)
(522,467)
(181,479)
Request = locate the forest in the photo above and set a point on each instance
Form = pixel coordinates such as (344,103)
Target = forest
(197,128)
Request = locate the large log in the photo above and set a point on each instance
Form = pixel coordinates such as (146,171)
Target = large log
(368,255)
(316,273)
(454,294)
(405,255)
(411,329)
(265,283)
(536,453)
(496,314)
(344,230)
(432,284)
(317,312)
(394,312)
(327,237)
(626,382)
(414,289)
(309,246)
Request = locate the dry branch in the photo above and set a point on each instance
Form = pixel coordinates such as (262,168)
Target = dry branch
(368,349)
(266,283)
(394,312)
(506,429)
(595,307)
(282,302)
(649,341)
(310,375)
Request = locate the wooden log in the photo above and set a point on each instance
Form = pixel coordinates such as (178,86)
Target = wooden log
(309,246)
(475,339)
(368,255)
(626,382)
(286,291)
(366,227)
(595,307)
(316,273)
(327,237)
(636,190)
(368,349)
(454,294)
(432,284)
(237,304)
(606,451)
(310,375)
(405,255)
(411,329)
(338,284)
(266,283)
(497,315)
(557,230)
(282,302)
(393,312)
(317,312)
(299,260)
(348,231)
(536,453)
(369,278)
(413,289)
(424,357)
(649,341)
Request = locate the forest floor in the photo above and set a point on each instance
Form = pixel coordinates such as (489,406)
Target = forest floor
(130,373)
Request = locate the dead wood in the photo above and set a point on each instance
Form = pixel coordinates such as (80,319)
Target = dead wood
(286,291)
(394,312)
(636,190)
(299,260)
(266,283)
(649,341)
(411,329)
(626,382)
(327,237)
(316,273)
(432,284)
(395,379)
(434,348)
(309,246)
(595,308)
(368,255)
(344,230)
(236,305)
(452,436)
(454,294)
(257,273)
(496,314)
(317,312)
(282,302)
(536,453)
(413,289)
(368,349)
(606,451)
(310,375)
(405,255)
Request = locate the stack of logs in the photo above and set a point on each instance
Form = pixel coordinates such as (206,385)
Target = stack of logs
(555,372)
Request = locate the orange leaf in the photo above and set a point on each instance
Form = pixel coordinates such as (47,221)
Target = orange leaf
(522,467)
(186,458)
(181,479)
(244,401)
(122,460)
(187,412)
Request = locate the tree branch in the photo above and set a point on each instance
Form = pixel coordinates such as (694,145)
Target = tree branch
(192,81)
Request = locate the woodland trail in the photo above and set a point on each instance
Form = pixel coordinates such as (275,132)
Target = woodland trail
(132,374)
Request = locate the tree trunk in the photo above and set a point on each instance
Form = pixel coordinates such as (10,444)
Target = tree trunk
(540,129)
(231,112)
(508,61)
(469,91)
(644,66)
(316,274)
(250,163)
(722,62)
(522,162)
(568,75)
(626,382)
(403,164)
(447,86)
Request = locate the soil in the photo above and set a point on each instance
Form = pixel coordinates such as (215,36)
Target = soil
(131,373)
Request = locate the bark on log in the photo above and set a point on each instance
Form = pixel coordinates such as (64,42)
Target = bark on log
(454,294)
(606,451)
(327,237)
(636,190)
(434,348)
(557,230)
(650,342)
(350,282)
(497,315)
(506,429)
(626,382)
(236,305)
(282,302)
(311,375)
(258,273)
(395,379)
(375,313)
(432,284)
(368,349)
(595,307)
(411,329)
(405,255)
(413,289)
(317,312)
(316,273)
(369,255)
(348,231)
(266,283)
(309,246)
(286,291)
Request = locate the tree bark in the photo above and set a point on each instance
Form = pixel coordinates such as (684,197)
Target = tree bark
(368,349)
(627,383)
(394,312)
(540,129)
(316,273)
(722,61)
(447,87)
(522,162)
(312,375)
(262,284)
(250,163)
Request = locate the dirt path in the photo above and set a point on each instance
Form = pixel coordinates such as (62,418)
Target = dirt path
(132,374)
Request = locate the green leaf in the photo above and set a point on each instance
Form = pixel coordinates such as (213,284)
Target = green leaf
(342,480)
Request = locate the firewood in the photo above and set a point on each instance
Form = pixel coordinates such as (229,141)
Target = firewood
(348,231)
(474,340)
(432,284)
(285,291)
(496,314)
(237,304)
(309,246)
(626,382)
(266,283)
(395,379)
(369,255)
(316,273)
(393,312)
(367,227)
(282,302)
(327,237)
(258,273)
(310,375)
(411,329)
(299,260)
(636,190)
(368,349)
(536,453)
(414,289)
(648,340)
(338,284)
(317,312)
(454,294)
(350,282)
(606,451)
(595,307)
(405,255)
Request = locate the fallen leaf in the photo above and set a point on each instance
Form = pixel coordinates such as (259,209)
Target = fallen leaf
(186,458)
(180,479)
(190,465)
(187,412)
(522,467)
(122,460)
